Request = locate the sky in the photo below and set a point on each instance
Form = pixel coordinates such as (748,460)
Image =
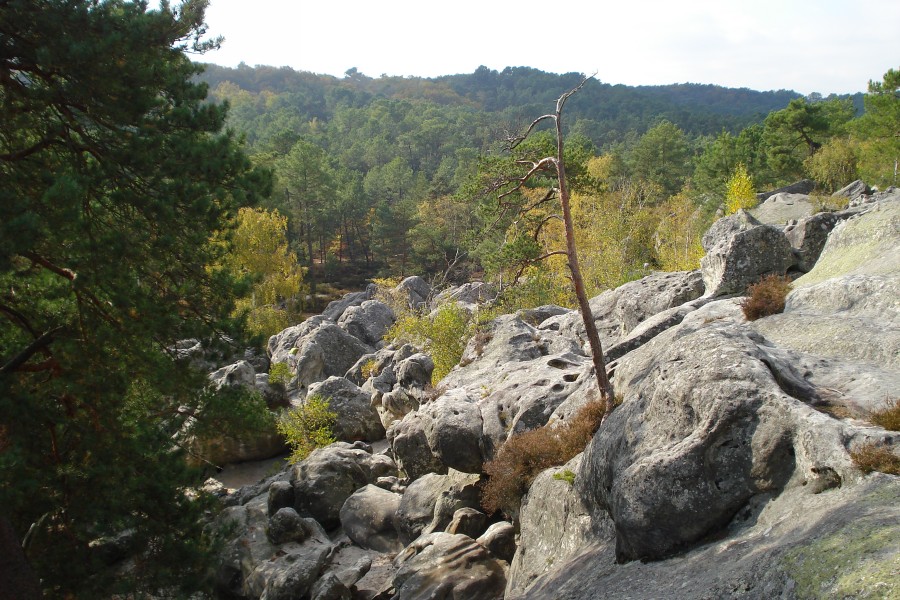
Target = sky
(825,46)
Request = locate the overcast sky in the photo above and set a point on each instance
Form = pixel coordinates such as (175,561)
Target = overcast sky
(809,46)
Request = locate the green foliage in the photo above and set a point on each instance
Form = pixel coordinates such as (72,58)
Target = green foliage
(369,369)
(115,177)
(877,131)
(739,191)
(835,164)
(280,374)
(661,157)
(523,456)
(795,133)
(443,334)
(766,297)
(565,475)
(307,427)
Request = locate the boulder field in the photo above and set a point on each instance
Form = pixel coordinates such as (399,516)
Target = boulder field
(725,472)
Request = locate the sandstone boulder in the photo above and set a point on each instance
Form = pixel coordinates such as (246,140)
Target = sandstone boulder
(367,322)
(739,251)
(430,502)
(368,516)
(443,565)
(356,419)
(783,207)
(328,476)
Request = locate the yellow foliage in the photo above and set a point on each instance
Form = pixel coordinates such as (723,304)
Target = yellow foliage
(678,235)
(739,193)
(613,235)
(443,334)
(260,252)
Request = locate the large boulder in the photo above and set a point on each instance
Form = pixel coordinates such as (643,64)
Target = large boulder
(367,322)
(808,236)
(454,430)
(356,419)
(335,309)
(617,312)
(414,290)
(740,251)
(783,207)
(252,565)
(475,292)
(411,448)
(316,352)
(804,186)
(428,504)
(368,519)
(444,565)
(555,526)
(853,190)
(842,543)
(328,476)
(700,433)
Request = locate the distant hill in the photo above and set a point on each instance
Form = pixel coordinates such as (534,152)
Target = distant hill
(602,111)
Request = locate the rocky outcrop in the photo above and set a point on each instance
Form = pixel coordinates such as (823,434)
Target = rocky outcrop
(368,519)
(783,207)
(356,419)
(367,322)
(328,476)
(445,565)
(725,472)
(740,251)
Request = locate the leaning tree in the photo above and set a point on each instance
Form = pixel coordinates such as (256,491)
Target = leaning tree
(539,212)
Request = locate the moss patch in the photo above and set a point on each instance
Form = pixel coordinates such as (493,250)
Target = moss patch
(861,560)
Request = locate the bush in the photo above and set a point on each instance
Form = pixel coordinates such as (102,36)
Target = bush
(523,456)
(307,427)
(871,457)
(766,297)
(280,374)
(889,416)
(739,192)
(369,368)
(444,335)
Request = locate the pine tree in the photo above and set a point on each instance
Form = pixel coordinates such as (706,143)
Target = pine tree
(115,175)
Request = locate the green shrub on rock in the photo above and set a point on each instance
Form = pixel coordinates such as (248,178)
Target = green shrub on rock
(307,427)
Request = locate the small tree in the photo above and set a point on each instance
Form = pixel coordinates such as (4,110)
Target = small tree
(260,252)
(739,192)
(535,211)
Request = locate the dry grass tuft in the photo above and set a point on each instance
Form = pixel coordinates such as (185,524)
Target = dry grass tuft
(871,457)
(525,455)
(766,297)
(889,416)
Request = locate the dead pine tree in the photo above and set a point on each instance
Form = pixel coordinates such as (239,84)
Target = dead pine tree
(554,166)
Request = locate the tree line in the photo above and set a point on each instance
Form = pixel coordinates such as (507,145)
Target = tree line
(378,175)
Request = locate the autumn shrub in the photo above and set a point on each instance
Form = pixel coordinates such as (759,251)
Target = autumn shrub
(369,368)
(872,457)
(523,456)
(889,416)
(443,334)
(766,297)
(307,427)
(739,191)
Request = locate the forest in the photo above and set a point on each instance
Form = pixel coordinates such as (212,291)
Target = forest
(151,201)
(384,177)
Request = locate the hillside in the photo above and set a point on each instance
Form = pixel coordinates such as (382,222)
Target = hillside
(606,112)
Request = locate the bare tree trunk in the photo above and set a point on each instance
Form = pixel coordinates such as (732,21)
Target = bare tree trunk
(606,394)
